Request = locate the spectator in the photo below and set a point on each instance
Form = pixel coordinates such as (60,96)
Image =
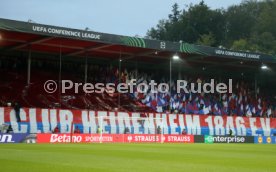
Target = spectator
(99,130)
(230,132)
(56,130)
(9,130)
(158,130)
(126,130)
(17,111)
(184,132)
(77,130)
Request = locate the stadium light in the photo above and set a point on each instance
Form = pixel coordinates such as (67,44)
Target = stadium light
(175,57)
(264,67)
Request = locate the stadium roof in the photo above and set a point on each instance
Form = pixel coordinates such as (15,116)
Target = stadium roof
(17,35)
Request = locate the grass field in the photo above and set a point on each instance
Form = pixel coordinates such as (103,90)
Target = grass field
(137,157)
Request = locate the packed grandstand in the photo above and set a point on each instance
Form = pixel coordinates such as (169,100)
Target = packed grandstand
(31,56)
(242,102)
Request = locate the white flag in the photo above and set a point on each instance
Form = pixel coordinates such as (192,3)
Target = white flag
(206,110)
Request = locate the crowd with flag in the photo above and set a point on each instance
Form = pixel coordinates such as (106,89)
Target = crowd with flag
(243,101)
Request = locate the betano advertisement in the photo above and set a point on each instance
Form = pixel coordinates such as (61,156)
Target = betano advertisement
(35,120)
(113,138)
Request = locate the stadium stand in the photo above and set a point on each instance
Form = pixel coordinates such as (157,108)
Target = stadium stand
(14,89)
(243,101)
(32,54)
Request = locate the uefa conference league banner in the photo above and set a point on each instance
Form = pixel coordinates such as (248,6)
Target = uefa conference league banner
(36,120)
(55,31)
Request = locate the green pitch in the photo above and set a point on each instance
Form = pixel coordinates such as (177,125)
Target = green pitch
(137,157)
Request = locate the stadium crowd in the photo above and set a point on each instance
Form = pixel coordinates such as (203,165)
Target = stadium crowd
(241,102)
(244,101)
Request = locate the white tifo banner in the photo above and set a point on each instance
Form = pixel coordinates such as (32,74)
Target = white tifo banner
(36,120)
